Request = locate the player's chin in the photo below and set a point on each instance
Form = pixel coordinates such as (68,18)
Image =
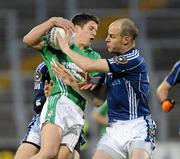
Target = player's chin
(109,49)
(88,43)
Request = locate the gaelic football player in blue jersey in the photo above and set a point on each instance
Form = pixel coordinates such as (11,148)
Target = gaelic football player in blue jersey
(131,132)
(30,144)
(170,80)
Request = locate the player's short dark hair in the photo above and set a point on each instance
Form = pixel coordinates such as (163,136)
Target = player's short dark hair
(82,18)
(129,28)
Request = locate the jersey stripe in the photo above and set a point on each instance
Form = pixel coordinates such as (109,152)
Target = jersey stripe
(132,101)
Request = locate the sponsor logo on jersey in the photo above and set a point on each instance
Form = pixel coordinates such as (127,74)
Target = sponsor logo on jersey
(74,69)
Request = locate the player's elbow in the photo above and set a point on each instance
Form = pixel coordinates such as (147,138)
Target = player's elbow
(36,109)
(26,41)
(29,41)
(38,103)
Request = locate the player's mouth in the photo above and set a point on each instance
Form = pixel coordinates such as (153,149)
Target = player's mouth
(92,38)
(108,45)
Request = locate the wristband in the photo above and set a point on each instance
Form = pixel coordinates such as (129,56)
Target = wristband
(167,105)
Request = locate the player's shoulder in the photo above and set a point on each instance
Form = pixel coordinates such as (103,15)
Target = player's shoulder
(132,54)
(41,69)
(42,66)
(40,72)
(175,71)
(177,64)
(175,68)
(129,57)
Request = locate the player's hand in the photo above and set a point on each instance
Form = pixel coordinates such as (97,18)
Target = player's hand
(91,83)
(64,42)
(84,75)
(47,88)
(64,74)
(167,105)
(67,25)
(86,86)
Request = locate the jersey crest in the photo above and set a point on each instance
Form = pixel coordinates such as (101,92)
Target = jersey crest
(38,76)
(120,59)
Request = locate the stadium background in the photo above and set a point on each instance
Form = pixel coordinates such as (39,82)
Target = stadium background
(159,40)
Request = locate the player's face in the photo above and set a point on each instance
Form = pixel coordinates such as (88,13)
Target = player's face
(114,40)
(87,33)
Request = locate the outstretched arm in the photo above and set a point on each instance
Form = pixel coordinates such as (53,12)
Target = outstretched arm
(33,38)
(87,64)
(162,93)
(163,90)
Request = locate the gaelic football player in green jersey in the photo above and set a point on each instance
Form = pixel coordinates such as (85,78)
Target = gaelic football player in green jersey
(62,115)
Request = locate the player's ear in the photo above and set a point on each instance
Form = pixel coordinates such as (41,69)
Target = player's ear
(126,40)
(77,28)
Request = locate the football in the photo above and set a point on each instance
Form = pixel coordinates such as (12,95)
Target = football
(52,36)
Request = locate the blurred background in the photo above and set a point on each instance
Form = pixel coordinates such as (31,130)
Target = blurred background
(159,40)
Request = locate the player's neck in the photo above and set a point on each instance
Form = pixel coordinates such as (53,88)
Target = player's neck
(80,46)
(127,48)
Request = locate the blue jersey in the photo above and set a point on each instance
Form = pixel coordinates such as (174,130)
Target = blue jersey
(174,76)
(128,86)
(41,75)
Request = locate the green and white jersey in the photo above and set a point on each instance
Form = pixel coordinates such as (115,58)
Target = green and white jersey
(51,55)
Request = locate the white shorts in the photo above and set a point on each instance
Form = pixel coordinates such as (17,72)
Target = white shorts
(123,136)
(33,134)
(60,110)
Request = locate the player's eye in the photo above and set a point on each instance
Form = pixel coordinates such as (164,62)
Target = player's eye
(111,36)
(91,28)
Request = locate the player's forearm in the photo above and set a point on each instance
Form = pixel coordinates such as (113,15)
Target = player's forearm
(163,90)
(84,62)
(162,93)
(34,36)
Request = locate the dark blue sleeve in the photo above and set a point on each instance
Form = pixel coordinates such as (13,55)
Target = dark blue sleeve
(39,100)
(121,63)
(174,76)
(98,79)
(41,75)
